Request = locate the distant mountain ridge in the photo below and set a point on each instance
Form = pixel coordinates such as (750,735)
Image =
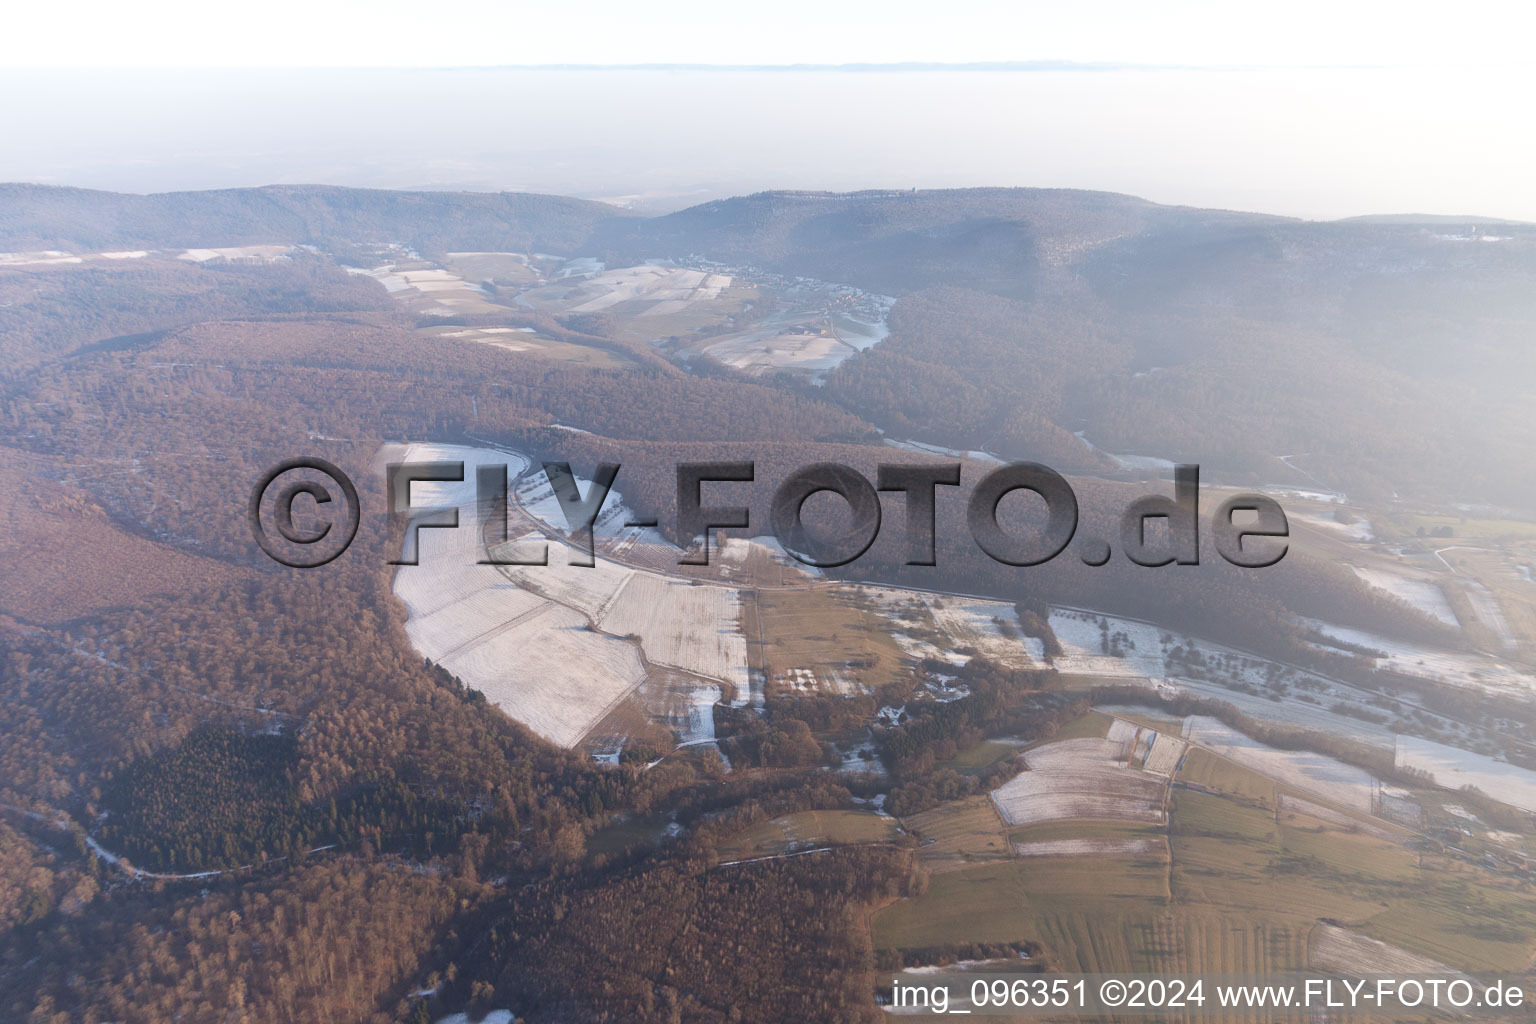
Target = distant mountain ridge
(1371,356)
(996,239)
(36,217)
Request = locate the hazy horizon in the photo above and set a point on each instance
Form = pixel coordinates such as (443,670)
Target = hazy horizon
(1313,143)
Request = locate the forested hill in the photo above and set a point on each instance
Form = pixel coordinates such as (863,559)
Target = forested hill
(1005,240)
(990,238)
(1355,349)
(1343,354)
(34,217)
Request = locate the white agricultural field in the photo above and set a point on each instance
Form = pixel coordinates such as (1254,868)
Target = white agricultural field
(1456,668)
(1154,752)
(588,590)
(687,706)
(386,276)
(1082,643)
(934,449)
(1359,529)
(1312,773)
(1331,948)
(1089,847)
(970,622)
(1139,462)
(922,650)
(1421,594)
(859,334)
(1453,769)
(427,494)
(264,253)
(551,672)
(1318,719)
(1141,651)
(536,497)
(42,258)
(1291,712)
(640,545)
(1323,497)
(510,338)
(739,550)
(906,610)
(1486,607)
(536,659)
(1165,754)
(765,350)
(458,622)
(493,1017)
(696,628)
(584,287)
(1123,735)
(466,615)
(443,291)
(1080,779)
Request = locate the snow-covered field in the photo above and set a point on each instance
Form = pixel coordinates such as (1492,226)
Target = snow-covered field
(263,253)
(43,257)
(1331,948)
(1088,847)
(56,257)
(551,672)
(588,590)
(1077,779)
(1122,734)
(740,551)
(661,289)
(1453,769)
(696,628)
(1083,637)
(533,638)
(1427,597)
(1153,752)
(537,499)
(1358,529)
(445,292)
(766,350)
(1138,462)
(1320,776)
(537,660)
(693,718)
(809,337)
(934,449)
(513,339)
(1486,607)
(1453,667)
(1165,754)
(970,622)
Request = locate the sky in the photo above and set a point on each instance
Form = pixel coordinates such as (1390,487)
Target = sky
(1309,109)
(394,33)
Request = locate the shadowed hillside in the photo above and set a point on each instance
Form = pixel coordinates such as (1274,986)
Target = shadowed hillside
(74,220)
